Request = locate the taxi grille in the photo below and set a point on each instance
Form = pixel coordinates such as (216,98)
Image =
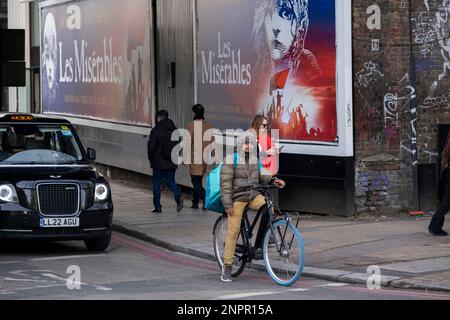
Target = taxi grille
(58,199)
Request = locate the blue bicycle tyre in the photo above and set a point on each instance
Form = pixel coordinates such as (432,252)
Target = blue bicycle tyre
(271,267)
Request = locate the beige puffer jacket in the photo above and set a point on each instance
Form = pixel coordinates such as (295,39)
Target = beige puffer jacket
(233,178)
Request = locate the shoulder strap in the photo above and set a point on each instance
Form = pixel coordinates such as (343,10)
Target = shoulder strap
(235,159)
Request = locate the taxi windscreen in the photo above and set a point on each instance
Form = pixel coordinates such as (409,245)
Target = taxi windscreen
(27,144)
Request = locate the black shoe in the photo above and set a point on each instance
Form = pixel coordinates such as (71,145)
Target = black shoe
(179,205)
(438,232)
(156,210)
(194,206)
(258,254)
(204,208)
(226,274)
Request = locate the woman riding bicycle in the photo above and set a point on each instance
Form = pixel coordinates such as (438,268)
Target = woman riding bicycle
(239,170)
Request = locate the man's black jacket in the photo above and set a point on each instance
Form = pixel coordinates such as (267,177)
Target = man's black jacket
(159,145)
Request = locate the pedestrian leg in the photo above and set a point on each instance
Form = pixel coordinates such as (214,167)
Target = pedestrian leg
(199,192)
(170,180)
(437,222)
(196,194)
(157,180)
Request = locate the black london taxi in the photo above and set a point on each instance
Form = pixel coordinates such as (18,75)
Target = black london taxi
(48,186)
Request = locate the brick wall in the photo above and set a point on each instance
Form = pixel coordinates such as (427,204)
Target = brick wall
(384,90)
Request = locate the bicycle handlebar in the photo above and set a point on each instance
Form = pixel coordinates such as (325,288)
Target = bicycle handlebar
(264,186)
(260,186)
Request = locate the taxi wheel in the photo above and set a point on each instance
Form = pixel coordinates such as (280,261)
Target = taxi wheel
(100,244)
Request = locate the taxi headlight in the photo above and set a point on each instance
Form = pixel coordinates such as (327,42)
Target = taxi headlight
(8,193)
(101,192)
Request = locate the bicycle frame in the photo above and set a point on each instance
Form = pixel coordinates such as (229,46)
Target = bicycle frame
(248,227)
(262,248)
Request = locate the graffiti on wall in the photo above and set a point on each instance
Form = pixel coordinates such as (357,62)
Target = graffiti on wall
(396,102)
(443,34)
(369,75)
(368,85)
(424,31)
(431,29)
(441,101)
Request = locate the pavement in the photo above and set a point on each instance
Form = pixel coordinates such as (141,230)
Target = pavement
(343,250)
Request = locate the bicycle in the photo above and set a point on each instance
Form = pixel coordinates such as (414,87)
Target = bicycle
(282,245)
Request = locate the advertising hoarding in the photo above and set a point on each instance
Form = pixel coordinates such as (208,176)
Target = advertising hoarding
(279,58)
(96,60)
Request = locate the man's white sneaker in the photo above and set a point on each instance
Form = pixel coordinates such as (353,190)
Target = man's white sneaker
(226,274)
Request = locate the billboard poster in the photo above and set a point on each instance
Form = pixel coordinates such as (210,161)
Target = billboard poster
(96,60)
(277,58)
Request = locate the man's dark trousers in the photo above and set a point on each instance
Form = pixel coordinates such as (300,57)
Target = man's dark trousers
(158,177)
(199,192)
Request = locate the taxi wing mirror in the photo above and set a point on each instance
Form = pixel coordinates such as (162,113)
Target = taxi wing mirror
(91,154)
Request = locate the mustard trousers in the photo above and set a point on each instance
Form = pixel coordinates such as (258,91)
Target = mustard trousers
(234,225)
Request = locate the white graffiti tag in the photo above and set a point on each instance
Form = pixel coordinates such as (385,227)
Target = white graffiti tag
(443,32)
(394,103)
(369,75)
(424,32)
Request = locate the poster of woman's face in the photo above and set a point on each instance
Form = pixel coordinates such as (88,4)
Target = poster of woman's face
(97,68)
(300,102)
(49,56)
(281,64)
(285,25)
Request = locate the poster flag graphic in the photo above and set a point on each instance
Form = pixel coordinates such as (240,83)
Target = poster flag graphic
(96,60)
(270,57)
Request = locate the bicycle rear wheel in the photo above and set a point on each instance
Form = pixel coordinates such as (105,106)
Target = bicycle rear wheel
(284,260)
(220,237)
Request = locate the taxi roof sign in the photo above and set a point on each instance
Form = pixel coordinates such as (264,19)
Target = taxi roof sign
(21,117)
(31,118)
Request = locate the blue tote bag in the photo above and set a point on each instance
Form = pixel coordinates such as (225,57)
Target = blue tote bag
(212,195)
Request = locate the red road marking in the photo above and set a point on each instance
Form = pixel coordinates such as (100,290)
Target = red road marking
(159,254)
(170,257)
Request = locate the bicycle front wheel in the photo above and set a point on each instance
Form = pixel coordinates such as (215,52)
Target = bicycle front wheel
(220,237)
(284,259)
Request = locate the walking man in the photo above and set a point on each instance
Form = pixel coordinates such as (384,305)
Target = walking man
(159,148)
(197,167)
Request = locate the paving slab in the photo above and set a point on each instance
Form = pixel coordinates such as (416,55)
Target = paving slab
(420,266)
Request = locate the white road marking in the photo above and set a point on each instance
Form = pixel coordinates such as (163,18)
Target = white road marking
(299,290)
(333,285)
(50,278)
(25,273)
(30,288)
(10,262)
(256,294)
(247,295)
(22,280)
(55,277)
(68,257)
